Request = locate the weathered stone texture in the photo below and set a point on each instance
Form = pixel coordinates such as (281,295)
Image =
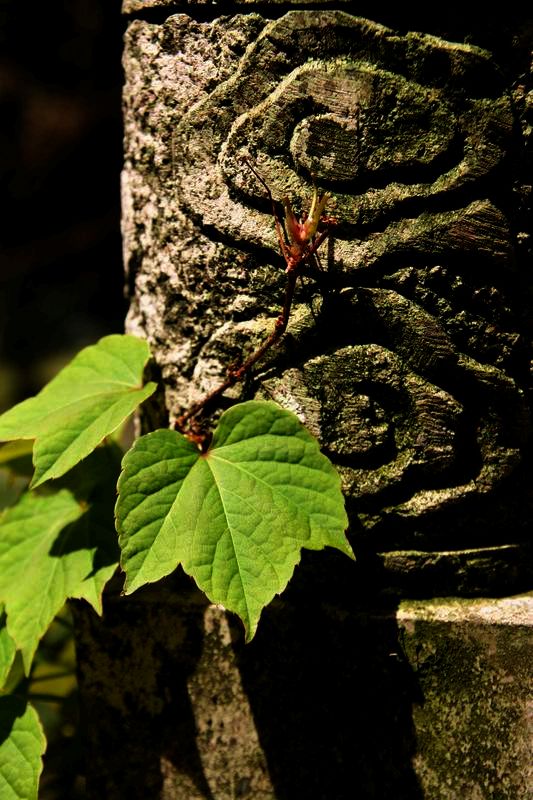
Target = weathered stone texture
(332,700)
(472,661)
(408,352)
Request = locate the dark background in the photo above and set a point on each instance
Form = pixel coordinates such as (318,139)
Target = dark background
(60,159)
(61,283)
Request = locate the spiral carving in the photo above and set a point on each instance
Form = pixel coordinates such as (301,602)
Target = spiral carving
(415,374)
(390,142)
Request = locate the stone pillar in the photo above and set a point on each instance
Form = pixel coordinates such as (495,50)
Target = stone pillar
(408,356)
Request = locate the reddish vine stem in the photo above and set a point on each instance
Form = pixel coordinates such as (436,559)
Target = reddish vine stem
(302,245)
(236,374)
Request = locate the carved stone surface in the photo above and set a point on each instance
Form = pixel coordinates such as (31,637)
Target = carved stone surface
(407,353)
(330,701)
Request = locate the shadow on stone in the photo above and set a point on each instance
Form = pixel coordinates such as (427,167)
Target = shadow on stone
(331,690)
(133,670)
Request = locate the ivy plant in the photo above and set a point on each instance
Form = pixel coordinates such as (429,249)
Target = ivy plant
(234,514)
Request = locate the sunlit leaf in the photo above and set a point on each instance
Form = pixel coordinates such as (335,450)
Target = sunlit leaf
(82,405)
(236,517)
(22,744)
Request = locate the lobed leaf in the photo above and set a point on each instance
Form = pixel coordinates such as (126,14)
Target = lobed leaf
(82,405)
(22,744)
(236,517)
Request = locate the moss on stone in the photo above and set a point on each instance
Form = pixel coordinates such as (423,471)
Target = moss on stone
(472,661)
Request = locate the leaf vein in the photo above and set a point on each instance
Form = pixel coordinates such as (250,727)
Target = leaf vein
(244,594)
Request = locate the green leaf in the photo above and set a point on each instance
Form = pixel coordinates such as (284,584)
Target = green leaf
(55,546)
(235,517)
(22,744)
(82,405)
(38,568)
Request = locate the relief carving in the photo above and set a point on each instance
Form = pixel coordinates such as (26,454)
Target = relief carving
(407,351)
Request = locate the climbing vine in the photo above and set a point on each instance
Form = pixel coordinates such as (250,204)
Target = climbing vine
(233,507)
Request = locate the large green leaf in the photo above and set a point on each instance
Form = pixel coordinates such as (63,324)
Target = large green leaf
(82,405)
(235,517)
(55,546)
(22,744)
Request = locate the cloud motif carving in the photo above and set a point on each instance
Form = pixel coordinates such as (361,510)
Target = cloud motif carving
(419,394)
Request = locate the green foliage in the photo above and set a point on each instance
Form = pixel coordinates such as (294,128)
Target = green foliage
(34,575)
(55,546)
(235,517)
(82,405)
(22,744)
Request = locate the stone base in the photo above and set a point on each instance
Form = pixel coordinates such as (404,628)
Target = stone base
(444,716)
(473,662)
(425,700)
